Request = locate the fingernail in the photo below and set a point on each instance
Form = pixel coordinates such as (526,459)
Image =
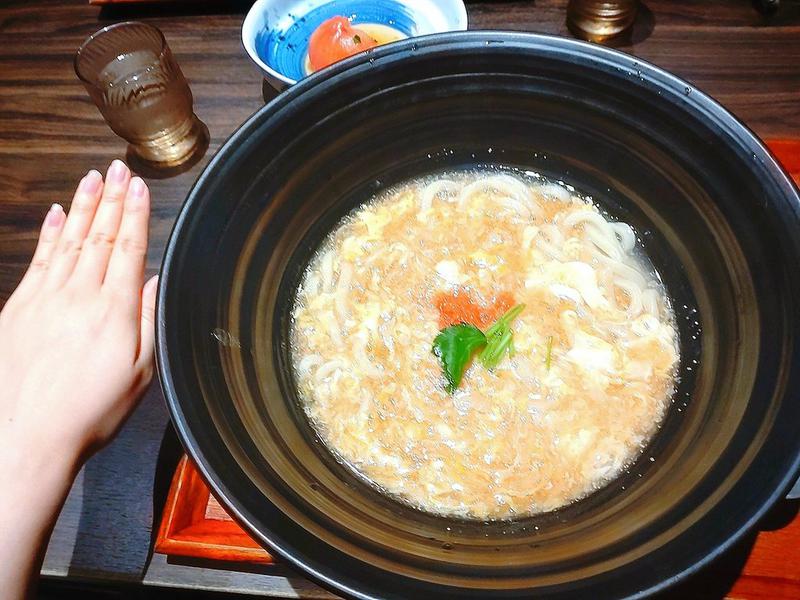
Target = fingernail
(91,182)
(54,215)
(151,283)
(117,171)
(137,188)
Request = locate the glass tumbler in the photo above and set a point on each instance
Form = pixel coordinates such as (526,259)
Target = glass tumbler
(132,77)
(599,20)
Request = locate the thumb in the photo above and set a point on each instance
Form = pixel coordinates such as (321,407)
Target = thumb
(148,331)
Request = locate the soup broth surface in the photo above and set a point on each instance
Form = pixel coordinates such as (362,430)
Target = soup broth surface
(583,389)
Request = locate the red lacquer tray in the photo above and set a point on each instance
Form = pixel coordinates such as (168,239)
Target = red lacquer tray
(195,525)
(788,153)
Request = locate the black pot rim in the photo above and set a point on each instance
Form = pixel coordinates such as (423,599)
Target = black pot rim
(601,58)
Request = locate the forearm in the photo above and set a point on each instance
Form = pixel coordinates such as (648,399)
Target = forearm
(35,483)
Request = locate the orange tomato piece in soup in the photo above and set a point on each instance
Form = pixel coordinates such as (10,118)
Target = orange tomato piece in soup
(334,40)
(459,306)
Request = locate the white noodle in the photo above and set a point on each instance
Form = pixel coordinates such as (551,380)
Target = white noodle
(326,271)
(334,329)
(598,230)
(359,346)
(626,236)
(622,270)
(311,285)
(605,240)
(634,293)
(510,186)
(549,249)
(554,191)
(504,185)
(516,206)
(553,234)
(309,362)
(581,217)
(440,188)
(528,235)
(327,369)
(551,241)
(650,301)
(342,289)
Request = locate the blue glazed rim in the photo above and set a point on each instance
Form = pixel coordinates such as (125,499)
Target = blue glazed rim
(285,49)
(266,50)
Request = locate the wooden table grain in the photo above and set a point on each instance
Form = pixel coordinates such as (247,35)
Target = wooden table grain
(51,134)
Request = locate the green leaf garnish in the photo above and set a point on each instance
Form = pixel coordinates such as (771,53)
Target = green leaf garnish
(454,346)
(499,339)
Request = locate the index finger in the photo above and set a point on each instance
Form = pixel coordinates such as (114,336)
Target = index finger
(127,262)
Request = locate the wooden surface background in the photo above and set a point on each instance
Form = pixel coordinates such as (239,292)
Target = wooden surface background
(51,134)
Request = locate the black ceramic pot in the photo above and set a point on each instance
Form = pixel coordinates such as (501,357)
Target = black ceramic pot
(718,217)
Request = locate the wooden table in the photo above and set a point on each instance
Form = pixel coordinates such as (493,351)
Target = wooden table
(50,134)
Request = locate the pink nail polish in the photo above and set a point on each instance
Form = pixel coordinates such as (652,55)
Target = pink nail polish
(117,171)
(137,188)
(54,215)
(91,182)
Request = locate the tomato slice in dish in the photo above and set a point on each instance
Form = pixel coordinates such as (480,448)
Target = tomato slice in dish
(334,40)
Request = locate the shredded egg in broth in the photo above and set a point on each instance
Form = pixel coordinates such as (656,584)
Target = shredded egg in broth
(580,392)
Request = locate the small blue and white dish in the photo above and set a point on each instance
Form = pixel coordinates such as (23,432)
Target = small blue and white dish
(275,33)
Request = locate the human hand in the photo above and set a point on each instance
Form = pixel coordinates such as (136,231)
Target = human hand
(76,337)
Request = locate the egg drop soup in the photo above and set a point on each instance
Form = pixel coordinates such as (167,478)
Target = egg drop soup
(583,381)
